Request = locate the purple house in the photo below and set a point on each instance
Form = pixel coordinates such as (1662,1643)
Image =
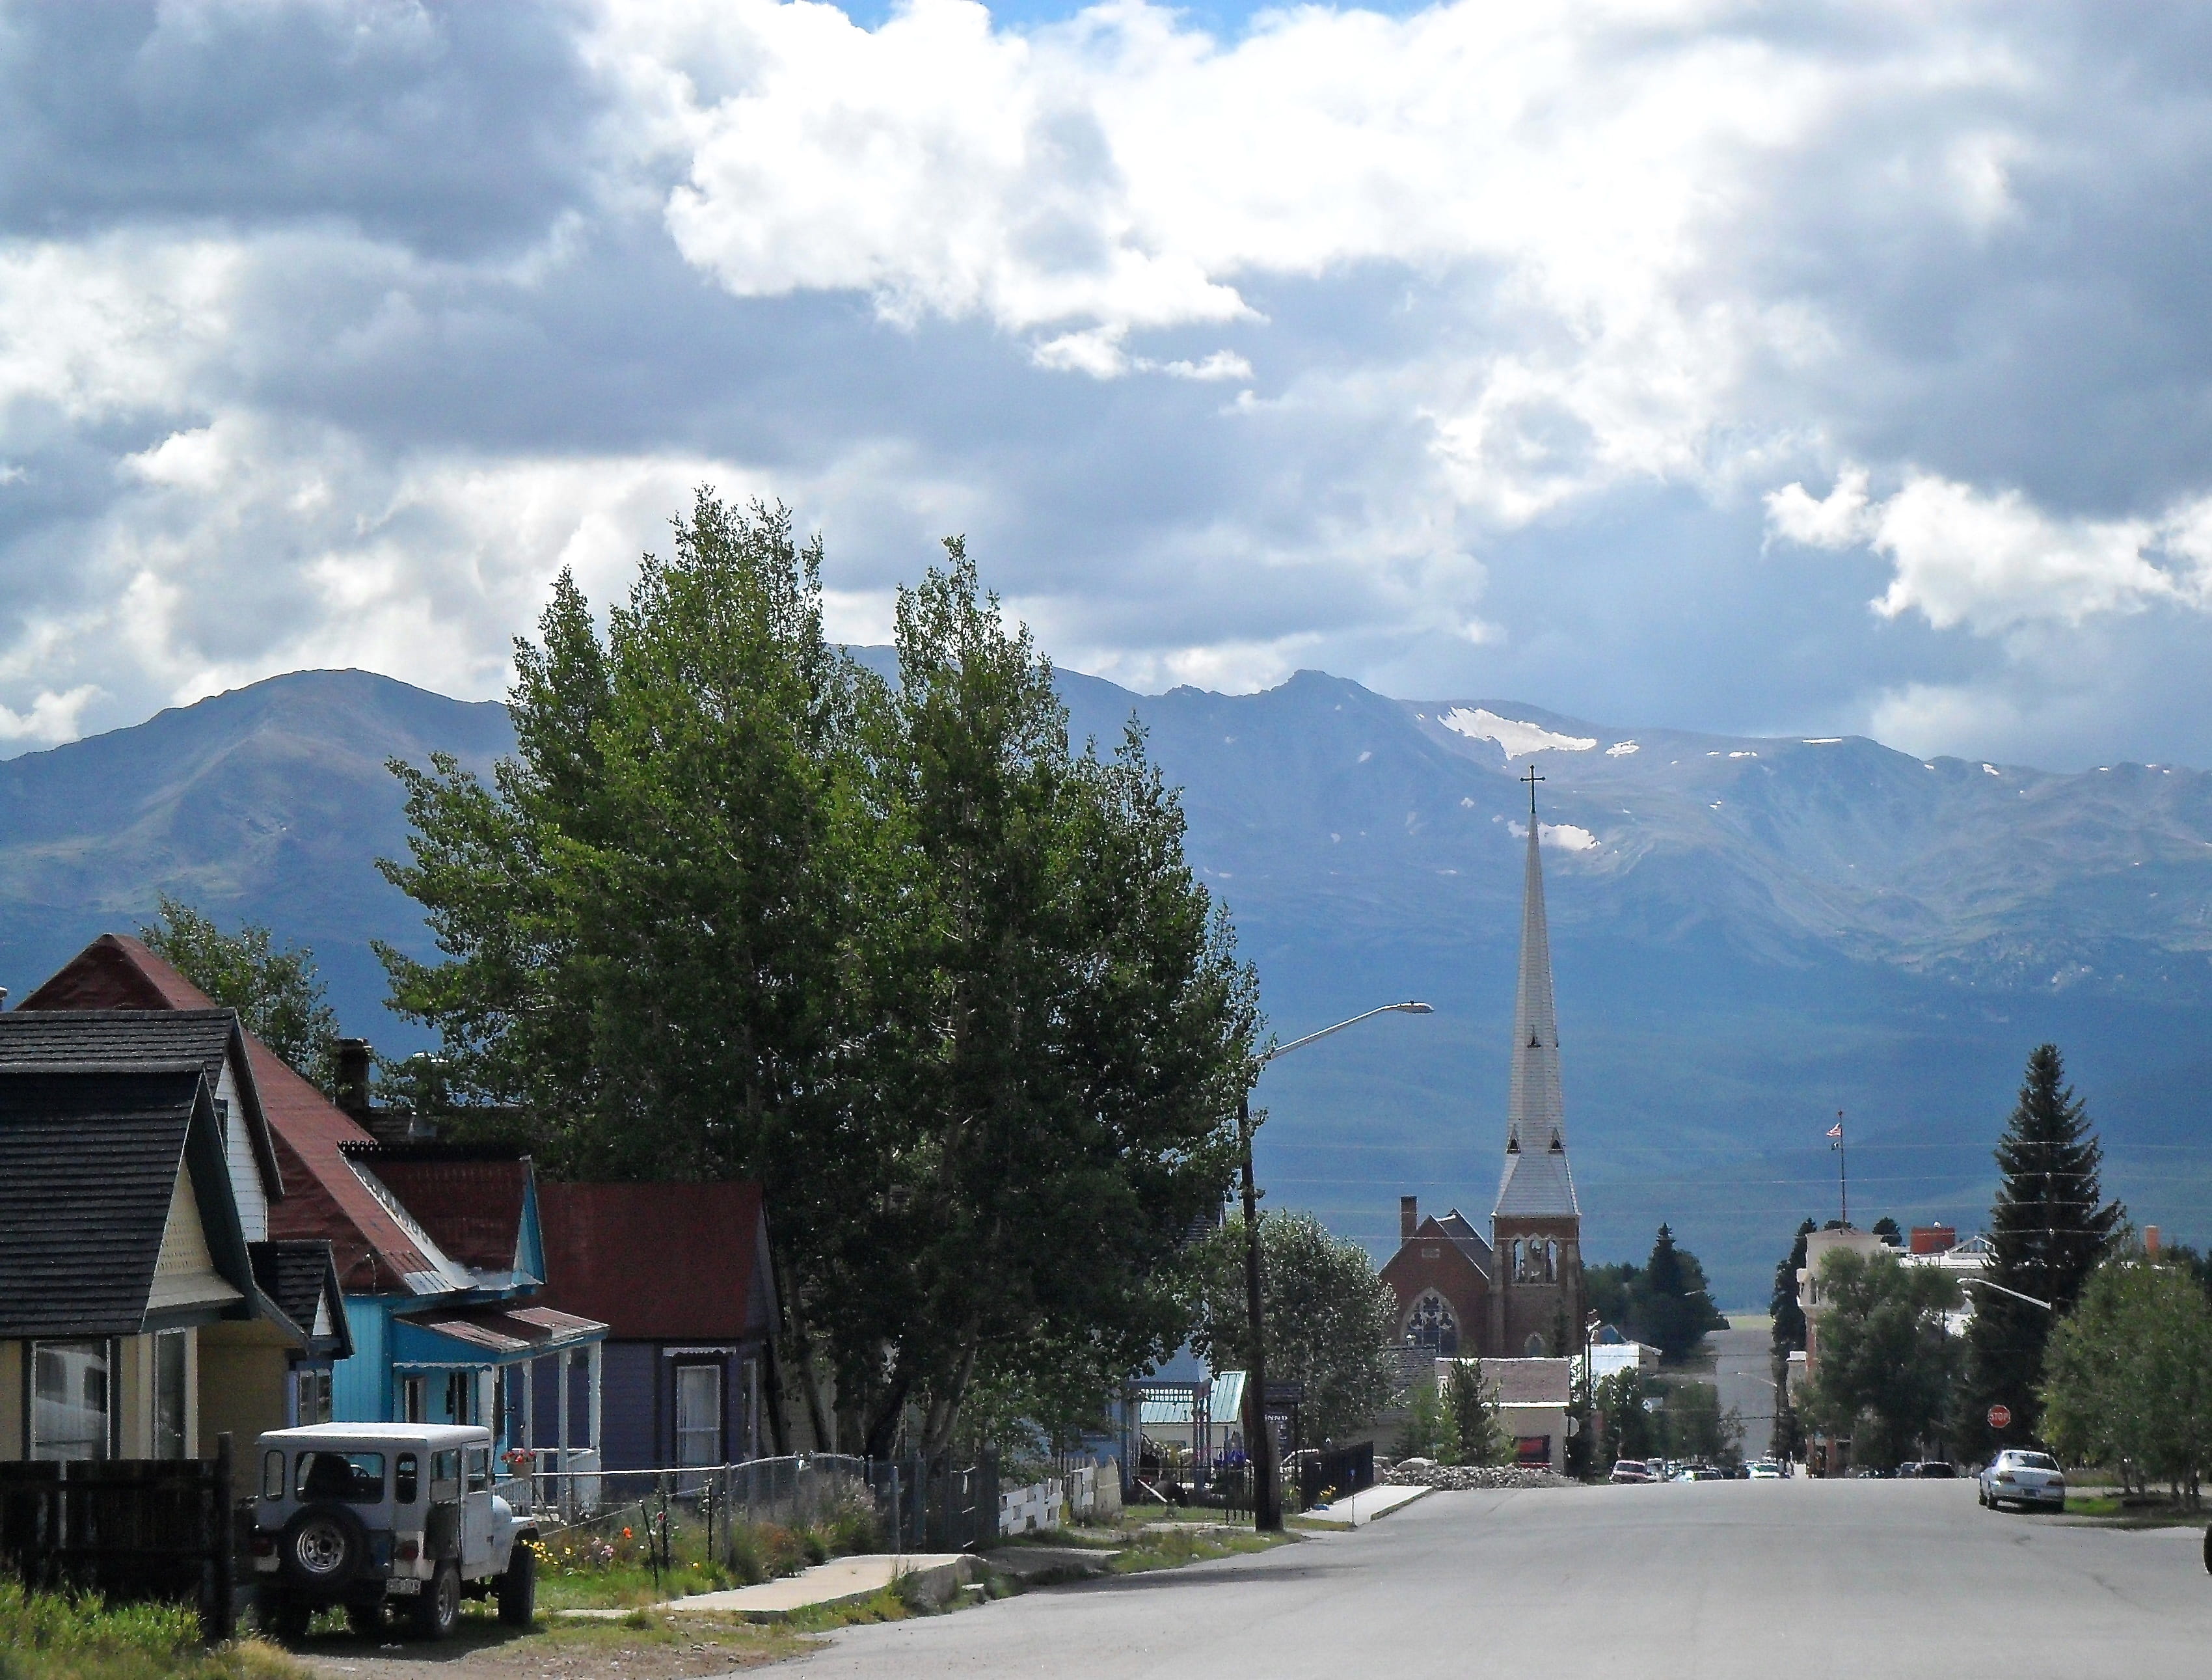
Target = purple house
(679,1273)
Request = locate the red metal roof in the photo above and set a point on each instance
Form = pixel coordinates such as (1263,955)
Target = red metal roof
(324,1197)
(657,1263)
(470,1203)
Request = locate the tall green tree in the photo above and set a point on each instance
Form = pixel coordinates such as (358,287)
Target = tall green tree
(277,993)
(1632,1430)
(2128,1380)
(1674,1309)
(1787,1315)
(1887,1364)
(948,989)
(1330,1319)
(2049,1228)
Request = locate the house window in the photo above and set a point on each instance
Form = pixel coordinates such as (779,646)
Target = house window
(1431,1325)
(312,1387)
(698,1415)
(411,1400)
(169,1397)
(68,1400)
(461,1396)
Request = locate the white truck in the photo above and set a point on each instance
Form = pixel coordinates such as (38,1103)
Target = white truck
(378,1516)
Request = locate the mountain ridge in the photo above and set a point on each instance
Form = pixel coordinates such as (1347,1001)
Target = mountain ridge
(1749,932)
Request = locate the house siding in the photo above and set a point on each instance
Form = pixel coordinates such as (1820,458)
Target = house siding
(361,1387)
(238,1151)
(629,1417)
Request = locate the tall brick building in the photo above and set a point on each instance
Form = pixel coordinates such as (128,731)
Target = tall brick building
(1517,1294)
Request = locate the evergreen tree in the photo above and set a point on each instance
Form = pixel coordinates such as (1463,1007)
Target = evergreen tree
(1673,1310)
(1887,1229)
(2050,1227)
(1787,1437)
(1472,1404)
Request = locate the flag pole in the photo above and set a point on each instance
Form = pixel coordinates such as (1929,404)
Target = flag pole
(1843,1169)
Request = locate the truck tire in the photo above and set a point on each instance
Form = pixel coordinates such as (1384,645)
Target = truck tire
(322,1548)
(517,1587)
(436,1612)
(2208,1551)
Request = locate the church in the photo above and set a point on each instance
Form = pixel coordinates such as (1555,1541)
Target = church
(1516,1293)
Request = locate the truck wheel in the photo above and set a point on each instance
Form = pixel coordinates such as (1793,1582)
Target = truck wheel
(322,1548)
(439,1608)
(2208,1551)
(517,1587)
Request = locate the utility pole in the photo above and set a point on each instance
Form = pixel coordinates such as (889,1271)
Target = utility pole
(1843,1172)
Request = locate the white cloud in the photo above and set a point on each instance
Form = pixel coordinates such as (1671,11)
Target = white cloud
(1961,555)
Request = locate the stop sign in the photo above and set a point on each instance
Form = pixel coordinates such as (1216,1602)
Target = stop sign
(2000,1417)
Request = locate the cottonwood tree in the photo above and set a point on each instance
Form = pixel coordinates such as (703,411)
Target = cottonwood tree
(2129,1381)
(737,908)
(278,998)
(2049,1228)
(1887,1364)
(1330,1320)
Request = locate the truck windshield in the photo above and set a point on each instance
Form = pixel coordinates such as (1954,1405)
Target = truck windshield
(356,1477)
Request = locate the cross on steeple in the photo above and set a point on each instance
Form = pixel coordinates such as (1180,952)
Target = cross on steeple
(1532,779)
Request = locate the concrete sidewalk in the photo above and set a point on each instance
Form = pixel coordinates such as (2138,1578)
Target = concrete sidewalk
(841,1580)
(1365,1506)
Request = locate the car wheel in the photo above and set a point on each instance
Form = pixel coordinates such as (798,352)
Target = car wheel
(366,1621)
(439,1608)
(2208,1551)
(517,1587)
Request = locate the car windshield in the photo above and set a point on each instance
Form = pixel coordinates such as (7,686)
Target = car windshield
(1629,1464)
(2033,1460)
(355,1477)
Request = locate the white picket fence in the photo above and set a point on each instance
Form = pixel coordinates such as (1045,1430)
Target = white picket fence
(1092,1491)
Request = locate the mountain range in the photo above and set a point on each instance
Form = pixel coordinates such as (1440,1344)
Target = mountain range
(1750,935)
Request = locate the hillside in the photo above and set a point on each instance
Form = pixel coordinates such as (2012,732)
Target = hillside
(1750,934)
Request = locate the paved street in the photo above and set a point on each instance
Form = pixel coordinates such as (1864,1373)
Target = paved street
(1740,1359)
(1710,1580)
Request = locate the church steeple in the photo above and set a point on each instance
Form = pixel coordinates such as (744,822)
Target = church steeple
(1536,1180)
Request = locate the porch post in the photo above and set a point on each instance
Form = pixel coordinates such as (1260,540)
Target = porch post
(567,1503)
(593,1394)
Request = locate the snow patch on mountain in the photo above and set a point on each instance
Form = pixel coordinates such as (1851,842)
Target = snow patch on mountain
(1622,750)
(1560,837)
(1515,737)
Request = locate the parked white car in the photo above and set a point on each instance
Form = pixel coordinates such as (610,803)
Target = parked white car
(367,1515)
(2032,1481)
(1766,1470)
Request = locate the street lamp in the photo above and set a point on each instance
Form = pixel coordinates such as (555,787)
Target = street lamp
(1259,1441)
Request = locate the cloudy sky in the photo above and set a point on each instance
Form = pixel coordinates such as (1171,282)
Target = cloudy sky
(1746,366)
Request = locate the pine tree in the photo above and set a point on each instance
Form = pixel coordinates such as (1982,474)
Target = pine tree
(1788,1314)
(1675,1311)
(2049,1226)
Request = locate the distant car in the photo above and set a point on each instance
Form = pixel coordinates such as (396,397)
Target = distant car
(1909,1467)
(2032,1481)
(1765,1470)
(1936,1468)
(1631,1470)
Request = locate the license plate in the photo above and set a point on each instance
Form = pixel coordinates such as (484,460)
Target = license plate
(404,1585)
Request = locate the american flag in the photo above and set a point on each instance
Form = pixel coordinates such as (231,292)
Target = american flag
(1836,1131)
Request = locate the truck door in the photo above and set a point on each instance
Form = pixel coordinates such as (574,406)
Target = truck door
(476,1509)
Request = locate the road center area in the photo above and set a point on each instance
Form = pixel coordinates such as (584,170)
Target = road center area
(1711,1579)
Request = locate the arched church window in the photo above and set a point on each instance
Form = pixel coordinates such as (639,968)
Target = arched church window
(1431,1326)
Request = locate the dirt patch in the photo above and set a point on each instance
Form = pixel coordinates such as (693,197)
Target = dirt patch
(635,1648)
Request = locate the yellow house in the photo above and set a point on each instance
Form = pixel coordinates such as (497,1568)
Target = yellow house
(125,1274)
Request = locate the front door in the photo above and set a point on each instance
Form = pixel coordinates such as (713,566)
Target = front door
(476,1509)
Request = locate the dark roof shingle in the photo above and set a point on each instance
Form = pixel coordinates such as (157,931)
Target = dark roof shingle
(89,1161)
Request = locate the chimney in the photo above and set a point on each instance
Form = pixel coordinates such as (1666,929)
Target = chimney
(353,1077)
(1409,1217)
(2150,1241)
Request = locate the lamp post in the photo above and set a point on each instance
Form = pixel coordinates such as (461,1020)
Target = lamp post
(1259,1441)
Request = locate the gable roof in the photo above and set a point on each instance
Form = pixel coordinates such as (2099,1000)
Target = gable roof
(477,1205)
(45,1036)
(1455,1228)
(300,1280)
(324,1197)
(90,1164)
(1521,1382)
(660,1262)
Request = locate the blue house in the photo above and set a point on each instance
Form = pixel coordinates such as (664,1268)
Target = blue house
(437,1251)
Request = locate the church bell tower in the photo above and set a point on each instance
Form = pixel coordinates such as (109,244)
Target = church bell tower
(1536,1223)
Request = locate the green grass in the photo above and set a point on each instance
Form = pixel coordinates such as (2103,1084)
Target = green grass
(47,1636)
(2111,1511)
(1173,1550)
